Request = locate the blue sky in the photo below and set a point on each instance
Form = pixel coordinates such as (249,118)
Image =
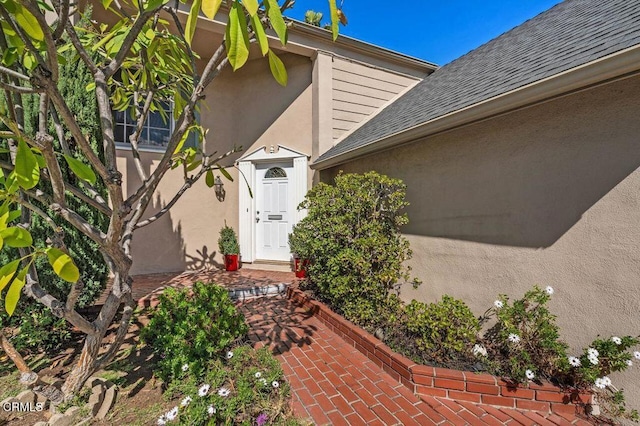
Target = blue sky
(436,31)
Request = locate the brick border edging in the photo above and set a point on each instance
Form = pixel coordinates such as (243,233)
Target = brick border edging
(443,382)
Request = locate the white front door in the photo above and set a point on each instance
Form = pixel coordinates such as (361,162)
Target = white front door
(274,210)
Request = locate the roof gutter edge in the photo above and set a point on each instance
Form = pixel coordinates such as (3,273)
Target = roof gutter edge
(609,67)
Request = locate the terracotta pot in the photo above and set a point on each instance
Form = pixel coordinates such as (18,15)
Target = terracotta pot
(301,267)
(231,262)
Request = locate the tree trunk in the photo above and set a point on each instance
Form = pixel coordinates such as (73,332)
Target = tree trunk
(90,359)
(84,368)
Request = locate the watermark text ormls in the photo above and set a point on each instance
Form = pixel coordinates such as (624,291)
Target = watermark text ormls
(22,407)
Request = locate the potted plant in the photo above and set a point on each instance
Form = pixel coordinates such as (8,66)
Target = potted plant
(300,263)
(229,247)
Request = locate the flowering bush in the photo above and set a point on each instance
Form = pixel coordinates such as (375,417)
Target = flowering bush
(593,367)
(244,387)
(352,238)
(525,344)
(444,331)
(190,327)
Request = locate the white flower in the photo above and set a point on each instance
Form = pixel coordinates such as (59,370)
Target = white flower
(479,350)
(185,367)
(549,290)
(229,355)
(224,392)
(514,338)
(575,362)
(629,363)
(498,304)
(636,354)
(530,374)
(593,359)
(172,414)
(185,401)
(600,384)
(593,352)
(263,381)
(606,380)
(162,420)
(275,384)
(211,410)
(258,375)
(616,340)
(204,389)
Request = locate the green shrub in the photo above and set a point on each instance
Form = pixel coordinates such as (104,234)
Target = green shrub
(235,390)
(228,241)
(525,341)
(191,327)
(445,331)
(351,236)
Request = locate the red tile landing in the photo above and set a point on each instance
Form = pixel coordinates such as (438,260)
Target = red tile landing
(147,287)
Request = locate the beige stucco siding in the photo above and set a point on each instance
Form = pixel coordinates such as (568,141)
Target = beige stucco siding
(244,108)
(360,90)
(548,195)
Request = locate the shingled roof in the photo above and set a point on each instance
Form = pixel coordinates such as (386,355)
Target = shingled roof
(572,33)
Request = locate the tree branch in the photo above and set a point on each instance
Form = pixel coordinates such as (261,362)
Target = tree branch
(133,139)
(33,290)
(50,45)
(69,119)
(62,8)
(14,74)
(210,165)
(19,89)
(77,45)
(127,313)
(131,37)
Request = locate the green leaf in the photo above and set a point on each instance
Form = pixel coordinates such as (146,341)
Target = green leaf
(209,179)
(237,38)
(276,19)
(333,8)
(192,21)
(261,36)
(224,172)
(251,6)
(16,236)
(7,272)
(63,265)
(91,86)
(154,4)
(13,295)
(27,171)
(80,169)
(29,23)
(210,7)
(106,4)
(278,69)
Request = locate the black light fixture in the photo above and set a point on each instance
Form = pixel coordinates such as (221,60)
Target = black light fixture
(218,188)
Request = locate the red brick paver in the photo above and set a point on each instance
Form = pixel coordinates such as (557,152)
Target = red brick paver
(333,383)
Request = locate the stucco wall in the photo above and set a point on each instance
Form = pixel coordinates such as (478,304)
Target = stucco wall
(548,195)
(245,108)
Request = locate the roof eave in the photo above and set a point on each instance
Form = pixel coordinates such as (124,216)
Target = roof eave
(611,67)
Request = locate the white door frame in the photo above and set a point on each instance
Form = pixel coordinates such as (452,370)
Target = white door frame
(247,204)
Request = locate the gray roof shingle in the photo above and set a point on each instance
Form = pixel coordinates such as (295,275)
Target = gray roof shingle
(568,35)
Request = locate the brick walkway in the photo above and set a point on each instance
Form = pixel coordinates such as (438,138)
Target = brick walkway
(331,381)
